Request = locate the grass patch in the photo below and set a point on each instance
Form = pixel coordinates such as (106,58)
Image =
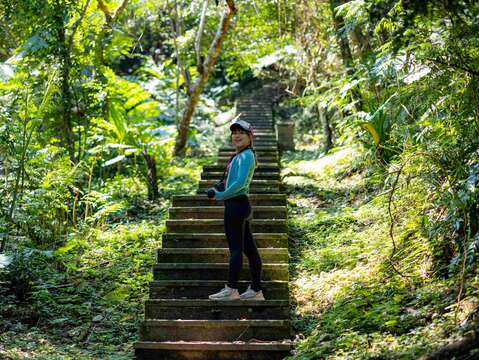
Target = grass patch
(349,303)
(83,298)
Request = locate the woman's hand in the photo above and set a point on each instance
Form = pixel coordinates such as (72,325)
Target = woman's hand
(211,192)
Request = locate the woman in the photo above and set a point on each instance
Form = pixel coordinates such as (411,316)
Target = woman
(237,216)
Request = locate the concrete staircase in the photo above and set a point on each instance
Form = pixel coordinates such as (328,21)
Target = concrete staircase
(180,321)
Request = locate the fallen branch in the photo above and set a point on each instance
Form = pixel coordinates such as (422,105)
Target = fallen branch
(461,347)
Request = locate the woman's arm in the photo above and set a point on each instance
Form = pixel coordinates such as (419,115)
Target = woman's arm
(246,162)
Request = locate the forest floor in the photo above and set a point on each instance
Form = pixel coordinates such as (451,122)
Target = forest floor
(349,302)
(85,300)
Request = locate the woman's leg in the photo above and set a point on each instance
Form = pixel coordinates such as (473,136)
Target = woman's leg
(254,259)
(234,230)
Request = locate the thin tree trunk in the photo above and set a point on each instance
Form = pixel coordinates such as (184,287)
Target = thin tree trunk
(345,49)
(199,35)
(152,176)
(341,36)
(327,129)
(106,29)
(210,60)
(360,41)
(66,98)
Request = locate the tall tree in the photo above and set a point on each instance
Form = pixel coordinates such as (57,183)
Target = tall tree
(205,69)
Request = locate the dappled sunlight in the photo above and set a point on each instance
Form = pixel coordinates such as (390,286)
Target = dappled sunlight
(316,292)
(333,163)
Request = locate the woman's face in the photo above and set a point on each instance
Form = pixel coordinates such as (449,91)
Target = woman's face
(240,138)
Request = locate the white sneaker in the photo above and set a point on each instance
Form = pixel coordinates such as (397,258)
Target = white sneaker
(226,294)
(250,294)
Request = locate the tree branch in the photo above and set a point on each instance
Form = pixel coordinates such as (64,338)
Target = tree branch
(209,62)
(105,10)
(456,66)
(120,9)
(461,347)
(76,25)
(176,29)
(199,34)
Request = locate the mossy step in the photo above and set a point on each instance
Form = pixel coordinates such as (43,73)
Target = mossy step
(253,111)
(260,154)
(214,271)
(217,212)
(218,240)
(237,350)
(217,225)
(254,199)
(261,135)
(252,190)
(216,255)
(262,167)
(257,148)
(261,159)
(253,184)
(216,175)
(256,113)
(214,330)
(206,309)
(201,289)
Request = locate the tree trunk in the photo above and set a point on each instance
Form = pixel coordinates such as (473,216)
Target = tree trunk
(327,129)
(151,176)
(66,96)
(342,37)
(105,31)
(345,49)
(460,347)
(360,41)
(197,88)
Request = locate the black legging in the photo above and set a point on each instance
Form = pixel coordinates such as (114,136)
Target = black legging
(238,232)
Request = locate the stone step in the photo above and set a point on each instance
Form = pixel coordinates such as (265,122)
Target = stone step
(205,309)
(258,119)
(257,176)
(252,190)
(257,148)
(214,330)
(265,136)
(217,212)
(255,188)
(216,255)
(215,271)
(261,142)
(201,289)
(254,199)
(260,154)
(218,240)
(216,225)
(265,159)
(249,109)
(237,350)
(262,167)
(257,115)
(273,184)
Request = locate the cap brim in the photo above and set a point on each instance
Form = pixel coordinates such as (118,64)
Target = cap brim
(235,125)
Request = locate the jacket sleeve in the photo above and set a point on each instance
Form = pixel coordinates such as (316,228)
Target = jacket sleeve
(245,163)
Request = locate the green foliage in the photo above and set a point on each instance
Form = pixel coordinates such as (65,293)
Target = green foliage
(349,302)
